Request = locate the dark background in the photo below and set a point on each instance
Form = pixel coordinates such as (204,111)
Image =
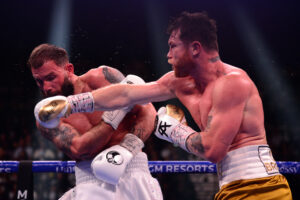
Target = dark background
(261,37)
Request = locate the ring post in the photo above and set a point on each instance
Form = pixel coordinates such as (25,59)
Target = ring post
(25,181)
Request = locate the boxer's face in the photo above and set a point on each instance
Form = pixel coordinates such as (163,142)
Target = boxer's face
(179,56)
(52,80)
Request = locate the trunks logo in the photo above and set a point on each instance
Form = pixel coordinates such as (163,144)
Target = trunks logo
(267,159)
(163,127)
(114,157)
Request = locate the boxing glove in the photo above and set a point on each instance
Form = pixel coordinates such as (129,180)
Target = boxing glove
(110,164)
(115,117)
(49,111)
(171,126)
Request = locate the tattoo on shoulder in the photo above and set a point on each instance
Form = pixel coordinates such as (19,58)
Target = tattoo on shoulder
(195,144)
(112,77)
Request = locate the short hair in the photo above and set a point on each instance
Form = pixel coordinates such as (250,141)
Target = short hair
(47,52)
(196,27)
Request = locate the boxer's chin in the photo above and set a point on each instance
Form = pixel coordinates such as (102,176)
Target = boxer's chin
(180,73)
(67,88)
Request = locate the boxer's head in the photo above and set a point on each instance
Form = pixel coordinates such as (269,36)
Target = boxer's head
(189,34)
(51,69)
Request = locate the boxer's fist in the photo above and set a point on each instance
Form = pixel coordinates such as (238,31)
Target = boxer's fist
(115,117)
(171,126)
(49,111)
(111,163)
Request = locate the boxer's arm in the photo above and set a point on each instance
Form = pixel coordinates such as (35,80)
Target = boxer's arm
(119,95)
(224,119)
(75,145)
(102,76)
(144,122)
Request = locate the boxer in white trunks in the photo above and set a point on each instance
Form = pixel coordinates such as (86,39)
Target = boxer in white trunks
(121,169)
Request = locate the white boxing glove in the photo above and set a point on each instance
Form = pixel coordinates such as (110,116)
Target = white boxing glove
(49,111)
(115,117)
(171,126)
(110,164)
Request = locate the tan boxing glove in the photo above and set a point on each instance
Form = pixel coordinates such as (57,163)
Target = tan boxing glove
(49,111)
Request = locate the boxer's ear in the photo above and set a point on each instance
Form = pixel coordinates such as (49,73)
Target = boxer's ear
(69,68)
(196,47)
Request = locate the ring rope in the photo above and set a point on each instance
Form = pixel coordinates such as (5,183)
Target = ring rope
(285,167)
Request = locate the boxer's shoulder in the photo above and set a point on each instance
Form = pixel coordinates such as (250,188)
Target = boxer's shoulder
(110,74)
(102,76)
(167,79)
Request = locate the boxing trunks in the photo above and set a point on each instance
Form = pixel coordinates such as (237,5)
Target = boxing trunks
(251,173)
(136,183)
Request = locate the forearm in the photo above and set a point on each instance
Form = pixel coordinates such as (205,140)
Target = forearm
(195,145)
(92,141)
(111,97)
(75,145)
(145,121)
(205,145)
(62,137)
(122,95)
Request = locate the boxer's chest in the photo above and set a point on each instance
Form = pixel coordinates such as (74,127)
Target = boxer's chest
(198,104)
(83,122)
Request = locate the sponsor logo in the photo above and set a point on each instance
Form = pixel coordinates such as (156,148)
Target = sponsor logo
(114,157)
(6,170)
(267,159)
(162,128)
(65,169)
(182,168)
(22,195)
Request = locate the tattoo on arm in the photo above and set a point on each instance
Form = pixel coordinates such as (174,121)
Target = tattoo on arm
(195,145)
(62,137)
(209,119)
(112,77)
(140,133)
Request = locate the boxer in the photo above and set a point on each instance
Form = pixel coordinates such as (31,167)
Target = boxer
(106,145)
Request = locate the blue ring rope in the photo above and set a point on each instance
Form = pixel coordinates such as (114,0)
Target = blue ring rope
(285,167)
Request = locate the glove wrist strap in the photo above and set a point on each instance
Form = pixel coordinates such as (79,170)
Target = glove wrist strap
(132,143)
(83,102)
(180,134)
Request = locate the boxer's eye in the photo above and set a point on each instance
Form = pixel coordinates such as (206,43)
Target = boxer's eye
(39,82)
(50,77)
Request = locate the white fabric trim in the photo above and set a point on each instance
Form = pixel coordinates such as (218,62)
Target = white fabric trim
(249,162)
(83,171)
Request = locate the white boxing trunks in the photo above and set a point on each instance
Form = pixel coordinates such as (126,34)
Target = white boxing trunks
(249,162)
(136,183)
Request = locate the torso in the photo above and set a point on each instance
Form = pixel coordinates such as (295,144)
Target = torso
(199,104)
(83,122)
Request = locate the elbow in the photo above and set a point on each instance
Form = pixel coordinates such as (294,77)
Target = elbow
(212,157)
(77,148)
(215,154)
